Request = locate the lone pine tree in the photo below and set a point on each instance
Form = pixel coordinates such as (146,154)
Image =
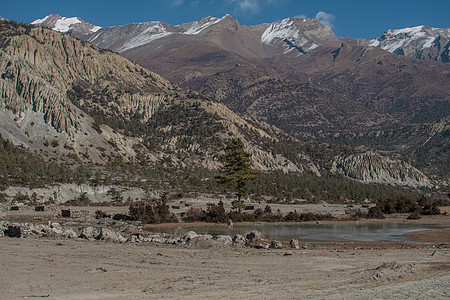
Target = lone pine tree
(236,170)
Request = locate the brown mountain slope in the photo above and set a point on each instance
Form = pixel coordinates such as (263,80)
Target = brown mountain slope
(302,109)
(52,85)
(65,96)
(408,89)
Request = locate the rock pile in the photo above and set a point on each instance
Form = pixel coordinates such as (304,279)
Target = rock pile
(190,238)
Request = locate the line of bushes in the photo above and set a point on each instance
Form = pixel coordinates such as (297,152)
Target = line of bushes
(215,213)
(152,211)
(423,206)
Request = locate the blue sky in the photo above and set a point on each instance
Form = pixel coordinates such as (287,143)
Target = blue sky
(352,18)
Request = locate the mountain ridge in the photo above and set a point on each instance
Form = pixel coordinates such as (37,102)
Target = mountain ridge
(419,42)
(105,93)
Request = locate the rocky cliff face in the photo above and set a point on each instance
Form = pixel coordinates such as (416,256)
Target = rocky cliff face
(372,167)
(22,89)
(42,70)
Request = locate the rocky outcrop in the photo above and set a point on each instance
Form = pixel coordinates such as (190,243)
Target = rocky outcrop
(90,233)
(46,68)
(22,88)
(45,75)
(372,167)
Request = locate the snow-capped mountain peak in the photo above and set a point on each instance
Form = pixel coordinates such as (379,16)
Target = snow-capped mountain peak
(40,21)
(284,29)
(153,31)
(299,34)
(199,26)
(194,28)
(74,25)
(420,42)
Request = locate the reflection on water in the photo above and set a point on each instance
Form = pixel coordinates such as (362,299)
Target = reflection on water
(389,232)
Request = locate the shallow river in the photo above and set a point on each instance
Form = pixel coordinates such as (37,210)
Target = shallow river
(389,232)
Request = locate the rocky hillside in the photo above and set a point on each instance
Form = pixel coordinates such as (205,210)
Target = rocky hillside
(64,98)
(301,50)
(62,92)
(42,69)
(372,167)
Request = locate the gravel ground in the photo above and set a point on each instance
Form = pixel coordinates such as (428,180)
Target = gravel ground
(74,269)
(80,269)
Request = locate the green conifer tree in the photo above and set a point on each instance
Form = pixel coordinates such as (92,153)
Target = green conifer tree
(236,171)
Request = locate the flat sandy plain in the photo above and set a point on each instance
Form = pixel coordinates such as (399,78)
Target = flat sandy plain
(78,269)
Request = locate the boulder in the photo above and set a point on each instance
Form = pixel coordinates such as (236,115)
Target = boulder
(253,236)
(56,232)
(239,239)
(132,239)
(276,245)
(70,233)
(3,227)
(224,239)
(262,246)
(110,236)
(294,244)
(158,240)
(13,231)
(171,241)
(89,233)
(202,242)
(55,225)
(188,236)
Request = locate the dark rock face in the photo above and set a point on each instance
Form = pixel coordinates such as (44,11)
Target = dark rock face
(13,231)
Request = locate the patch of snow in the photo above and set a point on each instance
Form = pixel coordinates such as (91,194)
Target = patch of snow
(64,24)
(428,43)
(40,21)
(408,30)
(391,47)
(155,31)
(95,28)
(94,38)
(312,47)
(201,25)
(374,43)
(284,29)
(394,39)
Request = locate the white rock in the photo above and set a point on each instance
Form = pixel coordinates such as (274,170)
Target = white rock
(294,244)
(189,235)
(276,245)
(225,239)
